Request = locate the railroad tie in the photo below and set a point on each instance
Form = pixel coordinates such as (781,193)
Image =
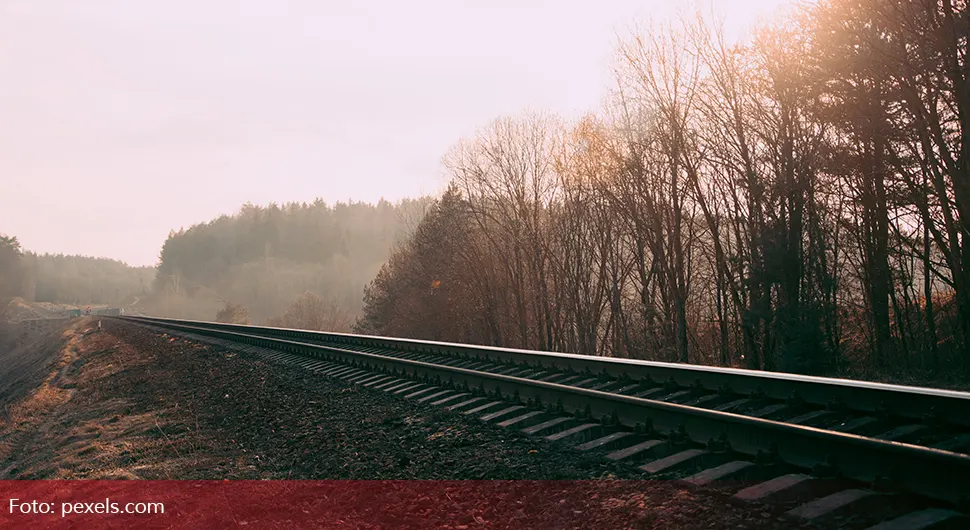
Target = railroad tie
(924,520)
(830,504)
(465,403)
(634,450)
(773,490)
(546,425)
(724,471)
(495,415)
(520,419)
(605,440)
(577,431)
(436,395)
(449,398)
(673,461)
(484,407)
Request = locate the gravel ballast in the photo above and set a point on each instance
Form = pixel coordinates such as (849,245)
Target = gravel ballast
(213,413)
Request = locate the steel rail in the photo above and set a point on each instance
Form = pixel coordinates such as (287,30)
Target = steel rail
(923,471)
(924,404)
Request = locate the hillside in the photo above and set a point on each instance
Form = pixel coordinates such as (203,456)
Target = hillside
(264,258)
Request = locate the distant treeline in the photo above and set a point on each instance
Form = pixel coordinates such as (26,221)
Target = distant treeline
(261,260)
(797,202)
(61,279)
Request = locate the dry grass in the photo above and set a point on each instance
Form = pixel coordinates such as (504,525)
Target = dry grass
(68,427)
(44,400)
(49,395)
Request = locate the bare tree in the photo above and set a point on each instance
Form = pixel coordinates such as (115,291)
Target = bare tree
(233,313)
(309,311)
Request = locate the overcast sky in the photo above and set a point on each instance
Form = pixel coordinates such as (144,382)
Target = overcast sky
(121,120)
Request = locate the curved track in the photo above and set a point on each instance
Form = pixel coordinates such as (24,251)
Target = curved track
(838,443)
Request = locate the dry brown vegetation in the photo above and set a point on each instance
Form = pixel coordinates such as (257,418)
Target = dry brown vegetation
(796,201)
(310,311)
(27,357)
(67,426)
(233,314)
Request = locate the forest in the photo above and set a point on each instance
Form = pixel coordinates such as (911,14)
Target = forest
(77,280)
(265,264)
(797,200)
(297,265)
(794,201)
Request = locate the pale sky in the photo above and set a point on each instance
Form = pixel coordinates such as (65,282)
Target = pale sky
(123,119)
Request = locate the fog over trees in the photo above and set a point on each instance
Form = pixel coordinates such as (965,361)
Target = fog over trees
(60,279)
(263,263)
(299,265)
(797,202)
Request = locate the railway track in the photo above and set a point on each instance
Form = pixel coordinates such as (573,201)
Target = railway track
(900,455)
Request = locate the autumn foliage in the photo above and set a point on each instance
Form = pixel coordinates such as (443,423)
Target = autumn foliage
(233,314)
(794,201)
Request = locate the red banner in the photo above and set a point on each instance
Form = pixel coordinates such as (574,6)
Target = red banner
(330,504)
